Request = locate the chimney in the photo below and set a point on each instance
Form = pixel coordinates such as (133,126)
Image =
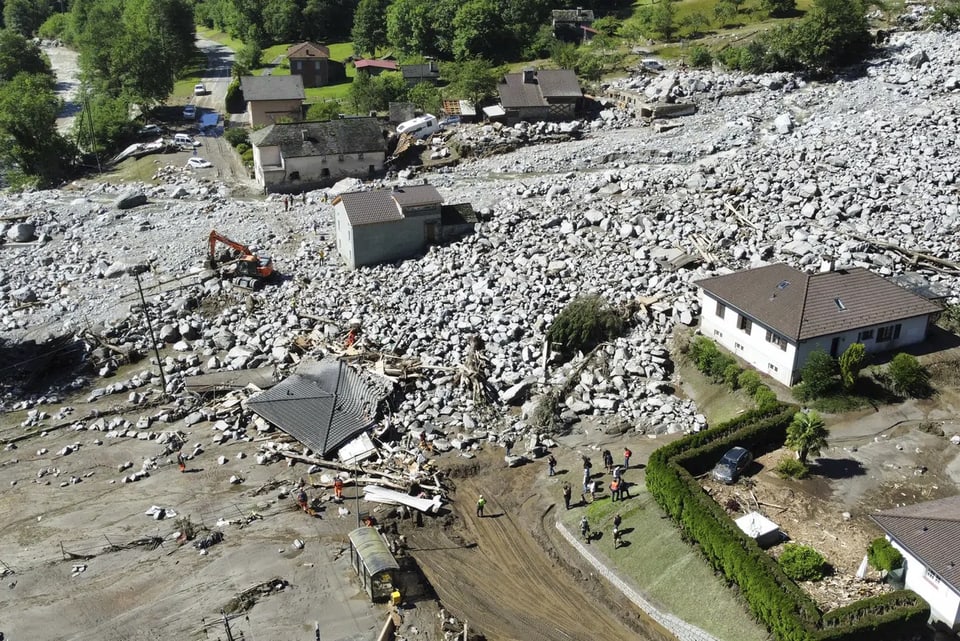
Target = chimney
(579,11)
(828,264)
(529,76)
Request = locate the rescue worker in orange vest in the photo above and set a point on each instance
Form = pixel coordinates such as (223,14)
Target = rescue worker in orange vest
(338,488)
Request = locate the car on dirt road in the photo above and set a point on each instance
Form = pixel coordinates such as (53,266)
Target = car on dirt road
(732,465)
(190,112)
(199,89)
(198,163)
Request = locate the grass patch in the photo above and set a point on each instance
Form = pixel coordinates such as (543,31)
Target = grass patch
(663,567)
(716,401)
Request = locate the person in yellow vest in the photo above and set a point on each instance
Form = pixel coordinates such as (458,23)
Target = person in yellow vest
(480,503)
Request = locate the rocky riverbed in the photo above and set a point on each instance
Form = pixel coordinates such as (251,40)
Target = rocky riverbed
(860,171)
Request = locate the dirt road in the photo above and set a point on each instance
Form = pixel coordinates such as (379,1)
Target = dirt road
(506,577)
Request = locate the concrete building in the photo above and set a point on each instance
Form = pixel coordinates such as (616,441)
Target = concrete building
(540,94)
(415,74)
(291,157)
(928,537)
(385,225)
(774,317)
(270,98)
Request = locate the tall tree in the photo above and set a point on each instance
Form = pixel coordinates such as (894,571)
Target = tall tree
(19,55)
(25,16)
(474,80)
(281,20)
(29,140)
(807,434)
(369,31)
(478,31)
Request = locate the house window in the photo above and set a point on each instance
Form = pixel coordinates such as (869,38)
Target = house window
(721,309)
(865,335)
(929,575)
(360,156)
(773,368)
(888,333)
(296,65)
(745,324)
(738,346)
(776,339)
(717,333)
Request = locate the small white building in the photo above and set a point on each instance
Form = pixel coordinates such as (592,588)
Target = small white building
(774,317)
(928,537)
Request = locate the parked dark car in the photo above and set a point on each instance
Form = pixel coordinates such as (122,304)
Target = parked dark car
(732,464)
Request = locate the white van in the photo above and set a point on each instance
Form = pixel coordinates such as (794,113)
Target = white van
(183,140)
(420,127)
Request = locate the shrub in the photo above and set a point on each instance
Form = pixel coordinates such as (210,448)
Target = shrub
(731,376)
(802,563)
(242,148)
(719,364)
(790,467)
(247,157)
(749,380)
(851,362)
(237,135)
(765,398)
(703,351)
(908,377)
(818,374)
(584,323)
(883,556)
(325,110)
(700,57)
(233,102)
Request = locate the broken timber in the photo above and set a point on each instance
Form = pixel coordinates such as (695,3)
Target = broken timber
(941,264)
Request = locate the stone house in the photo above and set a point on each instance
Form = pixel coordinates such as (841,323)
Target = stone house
(312,62)
(540,94)
(568,23)
(774,317)
(928,536)
(270,98)
(292,157)
(415,74)
(384,225)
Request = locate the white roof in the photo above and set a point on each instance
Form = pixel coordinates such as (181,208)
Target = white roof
(494,111)
(756,525)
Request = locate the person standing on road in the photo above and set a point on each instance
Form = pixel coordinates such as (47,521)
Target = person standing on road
(181,462)
(480,503)
(551,465)
(608,460)
(567,492)
(626,457)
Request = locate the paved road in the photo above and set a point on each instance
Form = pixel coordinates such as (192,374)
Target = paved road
(65,67)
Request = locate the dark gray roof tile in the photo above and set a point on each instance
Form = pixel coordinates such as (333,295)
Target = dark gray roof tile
(272,87)
(327,138)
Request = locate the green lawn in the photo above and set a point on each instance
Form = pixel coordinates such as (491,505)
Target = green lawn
(666,570)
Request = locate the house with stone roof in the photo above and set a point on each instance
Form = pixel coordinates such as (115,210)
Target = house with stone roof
(774,317)
(272,98)
(540,94)
(393,224)
(568,23)
(312,63)
(297,156)
(928,536)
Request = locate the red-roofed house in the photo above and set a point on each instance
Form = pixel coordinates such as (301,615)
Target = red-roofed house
(774,317)
(928,536)
(376,67)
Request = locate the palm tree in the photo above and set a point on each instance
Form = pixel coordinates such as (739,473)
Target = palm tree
(807,434)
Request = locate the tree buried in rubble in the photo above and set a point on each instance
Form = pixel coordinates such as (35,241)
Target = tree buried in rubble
(583,324)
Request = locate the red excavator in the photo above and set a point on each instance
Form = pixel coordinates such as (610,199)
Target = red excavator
(248,270)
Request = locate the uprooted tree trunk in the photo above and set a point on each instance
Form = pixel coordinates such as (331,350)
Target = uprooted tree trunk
(471,375)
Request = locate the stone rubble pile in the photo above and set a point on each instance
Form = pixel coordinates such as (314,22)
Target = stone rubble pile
(770,168)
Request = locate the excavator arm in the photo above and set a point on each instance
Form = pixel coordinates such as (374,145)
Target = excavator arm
(259,266)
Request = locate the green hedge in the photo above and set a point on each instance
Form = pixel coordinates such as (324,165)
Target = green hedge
(774,599)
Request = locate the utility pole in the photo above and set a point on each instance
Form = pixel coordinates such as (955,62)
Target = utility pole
(156,350)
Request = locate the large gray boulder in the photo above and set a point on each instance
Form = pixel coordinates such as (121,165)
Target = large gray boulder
(130,199)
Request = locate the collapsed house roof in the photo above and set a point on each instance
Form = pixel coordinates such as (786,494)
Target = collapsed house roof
(323,405)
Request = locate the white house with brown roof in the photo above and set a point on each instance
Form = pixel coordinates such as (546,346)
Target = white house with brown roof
(774,317)
(391,224)
(928,537)
(540,94)
(293,157)
(271,98)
